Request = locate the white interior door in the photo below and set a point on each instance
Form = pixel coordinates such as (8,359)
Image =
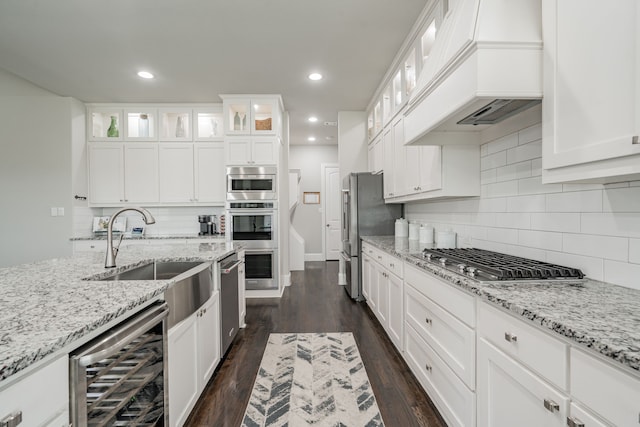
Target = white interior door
(331,212)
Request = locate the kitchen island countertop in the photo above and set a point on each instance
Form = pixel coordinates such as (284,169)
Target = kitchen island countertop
(597,316)
(47,306)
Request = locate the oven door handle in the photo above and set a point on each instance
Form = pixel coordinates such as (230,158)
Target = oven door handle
(126,333)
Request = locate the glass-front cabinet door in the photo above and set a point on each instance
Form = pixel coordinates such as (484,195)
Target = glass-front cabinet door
(208,124)
(263,116)
(410,73)
(104,124)
(141,124)
(386,104)
(237,117)
(397,91)
(175,124)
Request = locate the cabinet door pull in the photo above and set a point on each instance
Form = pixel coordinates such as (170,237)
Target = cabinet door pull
(428,368)
(428,321)
(12,419)
(510,337)
(551,406)
(635,140)
(574,422)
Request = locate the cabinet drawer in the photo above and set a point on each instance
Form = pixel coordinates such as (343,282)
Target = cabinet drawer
(450,338)
(534,348)
(608,391)
(454,400)
(367,249)
(456,302)
(580,416)
(393,264)
(41,396)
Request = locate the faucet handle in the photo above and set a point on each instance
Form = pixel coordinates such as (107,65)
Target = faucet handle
(117,248)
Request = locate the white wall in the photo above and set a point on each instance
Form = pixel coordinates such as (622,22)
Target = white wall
(36,135)
(352,142)
(589,226)
(307,219)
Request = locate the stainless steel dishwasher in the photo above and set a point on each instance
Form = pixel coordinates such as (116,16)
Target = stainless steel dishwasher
(229,301)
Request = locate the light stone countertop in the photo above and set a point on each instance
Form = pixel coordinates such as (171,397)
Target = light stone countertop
(47,306)
(597,316)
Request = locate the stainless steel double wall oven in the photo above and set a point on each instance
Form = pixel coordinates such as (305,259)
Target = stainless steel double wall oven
(252,212)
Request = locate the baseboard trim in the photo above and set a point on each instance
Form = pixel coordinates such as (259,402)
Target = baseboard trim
(342,279)
(314,257)
(286,280)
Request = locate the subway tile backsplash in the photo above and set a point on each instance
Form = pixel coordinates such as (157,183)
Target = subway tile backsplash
(593,227)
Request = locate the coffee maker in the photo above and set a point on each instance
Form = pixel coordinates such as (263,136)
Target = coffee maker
(207,225)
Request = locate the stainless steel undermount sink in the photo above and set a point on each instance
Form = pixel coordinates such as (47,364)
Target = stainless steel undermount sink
(157,270)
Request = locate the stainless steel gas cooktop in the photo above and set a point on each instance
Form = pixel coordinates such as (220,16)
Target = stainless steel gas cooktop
(486,265)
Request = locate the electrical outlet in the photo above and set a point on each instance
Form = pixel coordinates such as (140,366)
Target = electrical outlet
(54,211)
(60,211)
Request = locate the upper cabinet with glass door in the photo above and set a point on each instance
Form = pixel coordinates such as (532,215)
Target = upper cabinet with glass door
(141,124)
(104,123)
(252,114)
(175,124)
(208,123)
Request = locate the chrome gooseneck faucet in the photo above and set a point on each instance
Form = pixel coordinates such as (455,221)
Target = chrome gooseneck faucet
(110,260)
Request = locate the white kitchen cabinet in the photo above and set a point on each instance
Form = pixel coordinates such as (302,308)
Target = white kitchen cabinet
(42,396)
(580,417)
(454,400)
(210,178)
(175,123)
(591,104)
(123,173)
(194,353)
(252,151)
(509,394)
(252,114)
(104,123)
(208,336)
(385,290)
(539,351)
(140,124)
(388,163)
(208,123)
(183,370)
(366,276)
(176,173)
(375,154)
(399,162)
(605,389)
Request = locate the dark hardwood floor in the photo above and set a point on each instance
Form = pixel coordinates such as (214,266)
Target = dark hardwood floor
(314,303)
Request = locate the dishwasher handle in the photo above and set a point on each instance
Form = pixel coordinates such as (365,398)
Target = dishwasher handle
(125,334)
(227,270)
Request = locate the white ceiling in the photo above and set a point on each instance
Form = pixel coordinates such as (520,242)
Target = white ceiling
(91,50)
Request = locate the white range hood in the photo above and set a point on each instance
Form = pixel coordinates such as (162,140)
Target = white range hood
(485,65)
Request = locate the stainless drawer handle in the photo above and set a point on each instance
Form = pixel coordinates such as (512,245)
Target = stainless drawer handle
(428,321)
(11,420)
(551,405)
(510,337)
(574,422)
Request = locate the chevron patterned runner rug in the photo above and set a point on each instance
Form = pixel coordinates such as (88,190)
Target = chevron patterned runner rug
(312,379)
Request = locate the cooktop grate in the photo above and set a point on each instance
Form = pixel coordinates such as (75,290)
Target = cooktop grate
(499,266)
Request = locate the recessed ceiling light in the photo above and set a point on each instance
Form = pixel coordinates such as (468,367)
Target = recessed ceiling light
(313,119)
(315,76)
(311,138)
(145,75)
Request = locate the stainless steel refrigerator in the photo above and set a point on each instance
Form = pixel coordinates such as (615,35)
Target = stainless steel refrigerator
(364,213)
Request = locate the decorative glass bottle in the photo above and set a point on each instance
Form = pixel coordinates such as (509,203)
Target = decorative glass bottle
(112,132)
(180,128)
(236,122)
(244,122)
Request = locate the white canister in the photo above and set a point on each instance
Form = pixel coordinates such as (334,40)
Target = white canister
(414,230)
(446,239)
(426,234)
(402,227)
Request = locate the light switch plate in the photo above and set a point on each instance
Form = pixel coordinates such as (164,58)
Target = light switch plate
(54,211)
(60,211)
